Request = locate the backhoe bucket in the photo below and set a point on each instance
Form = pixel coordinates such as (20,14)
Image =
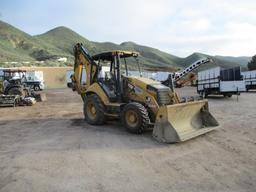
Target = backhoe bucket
(184,121)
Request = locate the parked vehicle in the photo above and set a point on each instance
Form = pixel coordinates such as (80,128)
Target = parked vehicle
(217,81)
(35,75)
(140,103)
(35,80)
(250,79)
(36,85)
(69,73)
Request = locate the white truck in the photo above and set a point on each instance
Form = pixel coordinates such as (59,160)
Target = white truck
(217,81)
(68,78)
(35,79)
(250,79)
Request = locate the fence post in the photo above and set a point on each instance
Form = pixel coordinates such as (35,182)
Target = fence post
(237,94)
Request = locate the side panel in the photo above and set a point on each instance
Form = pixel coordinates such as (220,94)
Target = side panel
(250,78)
(250,82)
(231,74)
(232,86)
(208,79)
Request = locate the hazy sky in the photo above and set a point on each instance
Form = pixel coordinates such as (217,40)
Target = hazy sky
(180,27)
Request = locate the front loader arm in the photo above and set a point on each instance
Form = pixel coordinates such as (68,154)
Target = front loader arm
(84,66)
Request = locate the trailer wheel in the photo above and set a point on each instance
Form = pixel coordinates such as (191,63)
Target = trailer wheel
(227,95)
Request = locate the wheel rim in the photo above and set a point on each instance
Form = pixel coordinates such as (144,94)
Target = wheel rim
(91,111)
(131,118)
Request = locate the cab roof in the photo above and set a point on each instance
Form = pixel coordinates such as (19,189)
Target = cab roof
(108,56)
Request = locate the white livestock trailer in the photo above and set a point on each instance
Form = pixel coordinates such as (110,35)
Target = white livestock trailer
(250,79)
(217,81)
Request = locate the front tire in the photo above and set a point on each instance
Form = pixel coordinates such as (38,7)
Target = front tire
(94,110)
(135,118)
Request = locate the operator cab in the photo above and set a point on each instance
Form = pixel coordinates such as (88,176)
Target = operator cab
(114,67)
(14,76)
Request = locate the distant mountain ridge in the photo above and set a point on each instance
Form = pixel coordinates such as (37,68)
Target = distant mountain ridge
(16,45)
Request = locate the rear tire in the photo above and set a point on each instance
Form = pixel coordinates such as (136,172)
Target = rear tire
(135,118)
(94,110)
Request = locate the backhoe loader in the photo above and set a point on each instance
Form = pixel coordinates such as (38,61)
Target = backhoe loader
(139,102)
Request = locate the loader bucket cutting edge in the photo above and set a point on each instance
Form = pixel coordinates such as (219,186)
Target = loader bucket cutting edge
(181,122)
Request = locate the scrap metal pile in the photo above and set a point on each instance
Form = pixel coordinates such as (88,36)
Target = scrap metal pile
(16,100)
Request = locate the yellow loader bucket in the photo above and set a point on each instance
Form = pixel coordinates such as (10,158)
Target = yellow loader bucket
(180,122)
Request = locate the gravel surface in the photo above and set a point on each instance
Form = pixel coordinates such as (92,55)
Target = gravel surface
(49,147)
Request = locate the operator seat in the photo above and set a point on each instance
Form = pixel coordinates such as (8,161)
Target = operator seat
(107,83)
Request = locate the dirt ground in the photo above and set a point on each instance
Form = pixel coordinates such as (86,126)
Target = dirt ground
(49,147)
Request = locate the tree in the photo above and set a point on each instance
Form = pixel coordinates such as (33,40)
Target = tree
(252,64)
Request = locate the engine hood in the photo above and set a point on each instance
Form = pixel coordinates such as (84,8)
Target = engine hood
(141,81)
